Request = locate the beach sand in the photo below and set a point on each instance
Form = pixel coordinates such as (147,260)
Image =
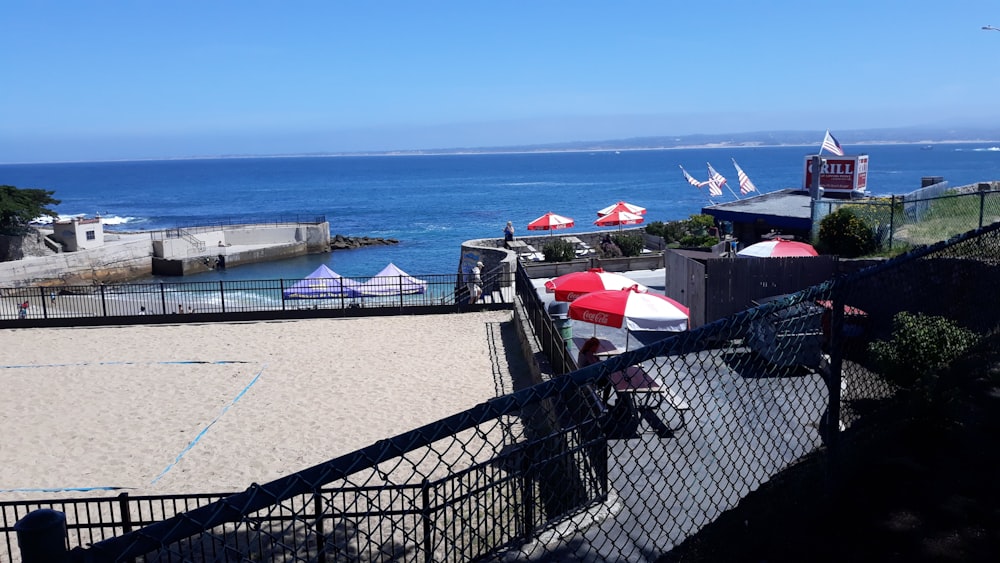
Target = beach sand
(214,407)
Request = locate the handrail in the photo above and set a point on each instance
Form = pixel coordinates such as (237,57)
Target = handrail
(192,240)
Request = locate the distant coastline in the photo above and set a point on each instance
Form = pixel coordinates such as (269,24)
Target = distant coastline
(868,137)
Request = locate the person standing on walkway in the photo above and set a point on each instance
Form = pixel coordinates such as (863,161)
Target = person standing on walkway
(476,283)
(508,233)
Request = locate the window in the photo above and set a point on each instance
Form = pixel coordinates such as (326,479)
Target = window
(91,235)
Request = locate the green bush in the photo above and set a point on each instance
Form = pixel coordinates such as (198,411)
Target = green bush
(558,250)
(845,234)
(693,231)
(921,346)
(630,245)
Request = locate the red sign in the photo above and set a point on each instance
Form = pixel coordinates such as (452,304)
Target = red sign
(839,174)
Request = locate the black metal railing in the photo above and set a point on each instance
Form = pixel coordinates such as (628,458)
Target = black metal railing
(245,296)
(203,227)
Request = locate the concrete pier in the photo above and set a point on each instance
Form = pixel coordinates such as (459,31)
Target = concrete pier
(128,256)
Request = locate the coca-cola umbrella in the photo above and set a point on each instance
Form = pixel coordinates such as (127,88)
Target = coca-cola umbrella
(631,308)
(622,206)
(569,287)
(619,218)
(550,222)
(778,248)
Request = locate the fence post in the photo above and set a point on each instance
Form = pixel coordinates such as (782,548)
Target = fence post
(982,203)
(222,294)
(163,300)
(400,292)
(104,303)
(45,310)
(320,537)
(834,378)
(126,514)
(892,218)
(281,285)
(528,500)
(425,517)
(41,536)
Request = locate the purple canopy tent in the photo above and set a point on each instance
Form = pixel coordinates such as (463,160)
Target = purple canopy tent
(323,283)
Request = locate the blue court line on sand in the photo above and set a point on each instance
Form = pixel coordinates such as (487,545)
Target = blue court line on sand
(184,362)
(205,430)
(64,489)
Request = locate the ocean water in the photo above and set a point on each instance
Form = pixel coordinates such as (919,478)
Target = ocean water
(432,203)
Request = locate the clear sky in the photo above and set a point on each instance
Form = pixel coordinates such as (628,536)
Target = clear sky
(157,78)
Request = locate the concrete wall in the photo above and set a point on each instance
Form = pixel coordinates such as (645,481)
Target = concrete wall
(315,237)
(499,264)
(119,261)
(125,257)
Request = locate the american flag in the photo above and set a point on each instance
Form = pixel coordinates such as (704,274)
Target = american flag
(746,186)
(831,144)
(715,182)
(691,179)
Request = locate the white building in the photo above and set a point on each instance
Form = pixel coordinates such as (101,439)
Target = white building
(79,233)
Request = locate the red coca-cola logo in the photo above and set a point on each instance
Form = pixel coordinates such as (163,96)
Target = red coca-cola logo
(596,317)
(572,295)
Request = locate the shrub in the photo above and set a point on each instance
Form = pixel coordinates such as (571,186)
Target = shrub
(845,234)
(558,250)
(693,231)
(657,229)
(630,245)
(921,346)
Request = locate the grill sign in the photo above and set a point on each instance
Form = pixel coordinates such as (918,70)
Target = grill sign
(839,174)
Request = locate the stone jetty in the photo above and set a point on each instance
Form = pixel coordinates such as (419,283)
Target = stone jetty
(340,242)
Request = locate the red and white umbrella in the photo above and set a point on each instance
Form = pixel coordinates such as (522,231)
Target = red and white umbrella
(550,222)
(630,308)
(778,248)
(622,206)
(619,218)
(569,287)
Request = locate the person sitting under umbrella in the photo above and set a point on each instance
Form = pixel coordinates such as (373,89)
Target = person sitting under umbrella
(588,353)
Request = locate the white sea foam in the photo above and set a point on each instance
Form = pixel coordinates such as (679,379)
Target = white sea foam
(116,220)
(46,220)
(107,220)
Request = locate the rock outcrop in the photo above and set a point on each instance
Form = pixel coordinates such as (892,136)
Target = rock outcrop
(340,242)
(30,244)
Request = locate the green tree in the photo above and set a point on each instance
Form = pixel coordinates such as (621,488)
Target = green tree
(19,206)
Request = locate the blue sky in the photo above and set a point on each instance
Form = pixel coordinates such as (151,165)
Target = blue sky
(148,79)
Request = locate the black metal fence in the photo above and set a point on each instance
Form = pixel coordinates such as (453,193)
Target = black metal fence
(246,296)
(621,460)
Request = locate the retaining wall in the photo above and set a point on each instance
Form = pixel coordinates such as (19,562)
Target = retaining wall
(119,261)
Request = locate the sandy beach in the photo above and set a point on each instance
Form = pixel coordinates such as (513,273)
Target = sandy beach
(186,408)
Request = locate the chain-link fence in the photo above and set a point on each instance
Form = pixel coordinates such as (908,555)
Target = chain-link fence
(920,218)
(619,461)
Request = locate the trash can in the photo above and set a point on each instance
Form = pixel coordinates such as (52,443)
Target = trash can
(559,313)
(41,535)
